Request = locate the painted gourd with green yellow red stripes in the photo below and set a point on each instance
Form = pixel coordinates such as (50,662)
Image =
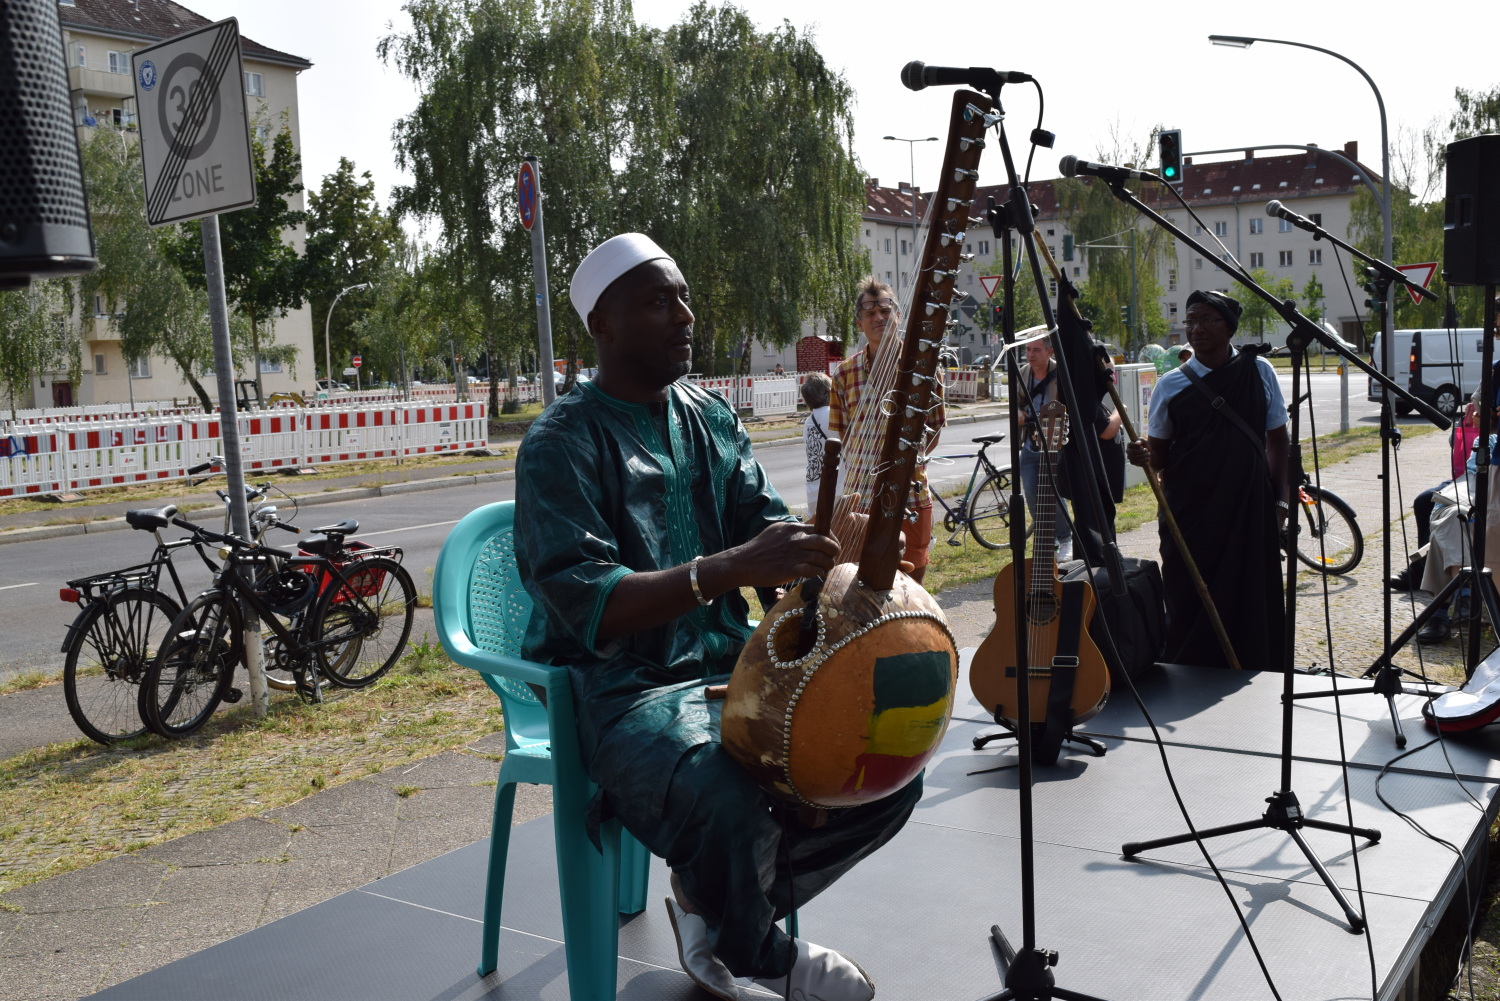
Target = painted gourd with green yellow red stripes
(859,714)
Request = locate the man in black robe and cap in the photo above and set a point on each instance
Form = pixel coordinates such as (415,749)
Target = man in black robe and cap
(1217,438)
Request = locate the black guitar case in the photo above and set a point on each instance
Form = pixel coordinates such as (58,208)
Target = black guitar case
(1137,619)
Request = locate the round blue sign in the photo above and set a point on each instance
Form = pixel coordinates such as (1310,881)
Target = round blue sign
(526,191)
(148,75)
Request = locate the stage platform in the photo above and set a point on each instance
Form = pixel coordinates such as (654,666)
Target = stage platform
(917,914)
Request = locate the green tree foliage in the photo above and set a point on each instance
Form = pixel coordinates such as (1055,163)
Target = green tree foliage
(729,147)
(1417,210)
(1258,317)
(1312,299)
(151,305)
(1097,217)
(754,187)
(264,277)
(35,336)
(349,241)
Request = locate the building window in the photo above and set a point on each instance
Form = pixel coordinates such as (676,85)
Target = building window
(1316,217)
(1049,232)
(905,247)
(984,246)
(255,84)
(867,232)
(1283,226)
(79,56)
(140,368)
(1197,230)
(887,277)
(1197,264)
(887,245)
(1257,260)
(1220,265)
(98,364)
(1221,229)
(1172,280)
(1052,286)
(1315,255)
(119,62)
(970,280)
(1052,252)
(1256,226)
(1077,271)
(1284,258)
(269,367)
(98,305)
(1172,310)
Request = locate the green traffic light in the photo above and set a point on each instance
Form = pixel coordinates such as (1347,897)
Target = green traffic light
(1170,172)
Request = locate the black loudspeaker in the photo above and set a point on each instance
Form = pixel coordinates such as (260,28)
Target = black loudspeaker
(44,215)
(1471,214)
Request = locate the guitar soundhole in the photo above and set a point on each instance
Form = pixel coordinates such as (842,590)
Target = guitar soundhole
(1041,608)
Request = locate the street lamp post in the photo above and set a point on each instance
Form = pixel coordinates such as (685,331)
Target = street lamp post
(911,157)
(1387,252)
(327,355)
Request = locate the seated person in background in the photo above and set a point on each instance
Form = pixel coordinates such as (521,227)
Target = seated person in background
(640,513)
(815,392)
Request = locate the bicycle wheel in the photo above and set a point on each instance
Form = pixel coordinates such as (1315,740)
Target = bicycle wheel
(359,627)
(1328,539)
(191,675)
(109,649)
(988,511)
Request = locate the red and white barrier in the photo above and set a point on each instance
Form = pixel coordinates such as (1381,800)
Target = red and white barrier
(88,454)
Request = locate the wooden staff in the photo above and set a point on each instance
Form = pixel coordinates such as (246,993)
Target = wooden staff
(1161,500)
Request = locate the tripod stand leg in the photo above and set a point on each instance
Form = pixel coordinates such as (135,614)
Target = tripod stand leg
(1356,922)
(1097,746)
(1368,833)
(1007,951)
(1136,847)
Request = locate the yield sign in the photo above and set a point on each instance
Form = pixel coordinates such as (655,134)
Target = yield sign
(989,282)
(1419,273)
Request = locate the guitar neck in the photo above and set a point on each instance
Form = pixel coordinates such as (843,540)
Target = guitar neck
(915,393)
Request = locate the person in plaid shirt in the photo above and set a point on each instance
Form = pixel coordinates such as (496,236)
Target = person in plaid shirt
(876,312)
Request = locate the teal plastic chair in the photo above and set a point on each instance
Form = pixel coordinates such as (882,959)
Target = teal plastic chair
(481,611)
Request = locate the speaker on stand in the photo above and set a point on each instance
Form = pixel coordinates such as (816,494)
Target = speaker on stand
(44,216)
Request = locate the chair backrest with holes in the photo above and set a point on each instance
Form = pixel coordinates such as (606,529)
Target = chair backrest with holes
(497,608)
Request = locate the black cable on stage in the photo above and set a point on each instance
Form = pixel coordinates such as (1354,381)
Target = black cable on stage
(1041,107)
(1338,708)
(1156,736)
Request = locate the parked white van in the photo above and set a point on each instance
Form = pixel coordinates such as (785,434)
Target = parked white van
(1438,366)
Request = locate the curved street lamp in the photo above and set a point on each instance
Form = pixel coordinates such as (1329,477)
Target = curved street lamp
(1387,253)
(327,356)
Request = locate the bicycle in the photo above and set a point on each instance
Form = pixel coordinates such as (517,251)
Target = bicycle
(1329,539)
(123,620)
(984,508)
(345,635)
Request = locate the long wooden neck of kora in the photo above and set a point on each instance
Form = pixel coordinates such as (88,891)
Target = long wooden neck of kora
(916,393)
(1051,432)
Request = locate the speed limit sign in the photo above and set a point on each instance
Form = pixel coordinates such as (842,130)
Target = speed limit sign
(195,141)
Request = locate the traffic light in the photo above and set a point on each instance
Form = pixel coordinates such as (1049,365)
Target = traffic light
(1125,316)
(998,314)
(1169,145)
(1067,246)
(1372,290)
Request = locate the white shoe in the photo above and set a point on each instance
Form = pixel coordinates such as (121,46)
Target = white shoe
(698,960)
(820,974)
(1065,552)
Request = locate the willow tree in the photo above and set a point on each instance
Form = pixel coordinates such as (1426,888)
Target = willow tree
(1096,216)
(500,80)
(753,185)
(35,336)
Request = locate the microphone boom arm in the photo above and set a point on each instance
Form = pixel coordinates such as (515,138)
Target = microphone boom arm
(1386,270)
(1289,312)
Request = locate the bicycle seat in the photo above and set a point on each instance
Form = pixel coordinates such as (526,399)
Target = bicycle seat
(989,439)
(346,527)
(149,519)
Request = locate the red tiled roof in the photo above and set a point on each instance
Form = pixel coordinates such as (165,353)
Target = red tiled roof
(153,21)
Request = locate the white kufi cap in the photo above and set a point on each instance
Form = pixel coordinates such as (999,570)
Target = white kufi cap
(609,261)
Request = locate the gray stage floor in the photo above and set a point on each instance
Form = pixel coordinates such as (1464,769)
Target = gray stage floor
(917,914)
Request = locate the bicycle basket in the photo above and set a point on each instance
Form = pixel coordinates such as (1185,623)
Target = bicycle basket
(287,591)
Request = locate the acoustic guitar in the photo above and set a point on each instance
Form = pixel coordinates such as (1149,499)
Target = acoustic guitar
(1057,615)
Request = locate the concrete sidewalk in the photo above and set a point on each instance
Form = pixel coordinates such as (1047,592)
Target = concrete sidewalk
(80,932)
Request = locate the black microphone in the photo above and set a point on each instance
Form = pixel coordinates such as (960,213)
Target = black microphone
(1071,166)
(1280,211)
(916,75)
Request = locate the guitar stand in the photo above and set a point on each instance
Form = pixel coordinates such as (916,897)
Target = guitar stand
(1009,733)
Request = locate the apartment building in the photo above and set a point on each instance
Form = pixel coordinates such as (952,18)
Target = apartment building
(98,38)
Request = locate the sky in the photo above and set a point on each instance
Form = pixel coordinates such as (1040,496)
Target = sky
(1109,74)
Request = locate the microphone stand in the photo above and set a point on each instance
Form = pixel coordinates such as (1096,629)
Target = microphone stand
(1384,675)
(1028,971)
(1284,812)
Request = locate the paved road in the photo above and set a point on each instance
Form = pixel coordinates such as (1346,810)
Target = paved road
(30,573)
